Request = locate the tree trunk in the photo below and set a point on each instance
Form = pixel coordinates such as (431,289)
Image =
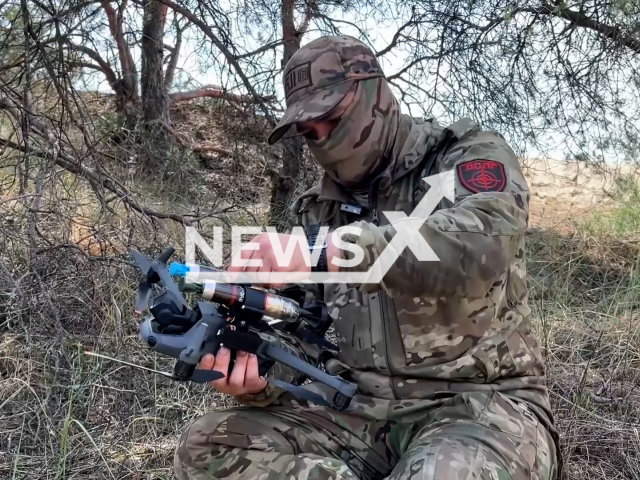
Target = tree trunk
(173,59)
(155,100)
(284,186)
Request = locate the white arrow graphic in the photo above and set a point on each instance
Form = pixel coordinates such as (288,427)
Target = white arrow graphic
(408,228)
(442,185)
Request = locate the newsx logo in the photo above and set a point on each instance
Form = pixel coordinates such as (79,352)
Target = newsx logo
(407,236)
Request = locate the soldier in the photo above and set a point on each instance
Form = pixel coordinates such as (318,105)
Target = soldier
(449,374)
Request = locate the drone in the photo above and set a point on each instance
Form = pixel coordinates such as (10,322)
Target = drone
(237,316)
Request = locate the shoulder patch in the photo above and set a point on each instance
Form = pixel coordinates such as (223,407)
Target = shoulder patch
(482,176)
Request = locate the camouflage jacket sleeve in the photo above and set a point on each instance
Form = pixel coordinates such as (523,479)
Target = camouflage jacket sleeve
(475,239)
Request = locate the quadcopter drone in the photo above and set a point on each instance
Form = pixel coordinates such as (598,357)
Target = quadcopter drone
(237,316)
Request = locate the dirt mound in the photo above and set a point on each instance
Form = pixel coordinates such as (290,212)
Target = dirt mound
(563,191)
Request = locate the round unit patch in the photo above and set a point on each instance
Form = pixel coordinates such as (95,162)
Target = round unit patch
(482,176)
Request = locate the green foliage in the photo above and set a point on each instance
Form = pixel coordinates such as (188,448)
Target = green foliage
(109,125)
(624,219)
(627,8)
(11,35)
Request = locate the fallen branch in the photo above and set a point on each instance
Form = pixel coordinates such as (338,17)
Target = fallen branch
(211,91)
(211,148)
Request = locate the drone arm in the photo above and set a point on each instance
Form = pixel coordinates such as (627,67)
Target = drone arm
(344,390)
(279,372)
(166,255)
(284,359)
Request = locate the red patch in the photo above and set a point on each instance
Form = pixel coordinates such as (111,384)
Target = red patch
(482,176)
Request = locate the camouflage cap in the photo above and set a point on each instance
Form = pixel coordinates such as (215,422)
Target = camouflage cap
(319,75)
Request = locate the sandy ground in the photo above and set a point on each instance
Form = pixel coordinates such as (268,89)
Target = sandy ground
(564,191)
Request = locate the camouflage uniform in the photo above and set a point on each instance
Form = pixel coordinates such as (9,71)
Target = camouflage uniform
(450,377)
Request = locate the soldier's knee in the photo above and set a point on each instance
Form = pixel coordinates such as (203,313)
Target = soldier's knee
(449,457)
(227,440)
(196,445)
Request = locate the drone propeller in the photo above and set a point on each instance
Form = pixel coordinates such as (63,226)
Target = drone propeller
(165,278)
(205,376)
(142,261)
(154,272)
(144,287)
(142,296)
(198,376)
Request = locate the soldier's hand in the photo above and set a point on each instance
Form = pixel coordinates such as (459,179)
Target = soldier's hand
(260,251)
(244,378)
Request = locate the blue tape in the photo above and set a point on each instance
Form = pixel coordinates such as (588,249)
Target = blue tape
(178,269)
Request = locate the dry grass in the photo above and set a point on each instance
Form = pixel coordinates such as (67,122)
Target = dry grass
(585,295)
(64,415)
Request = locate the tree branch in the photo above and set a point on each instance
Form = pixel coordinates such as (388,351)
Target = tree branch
(578,19)
(331,21)
(105,67)
(70,164)
(169,74)
(308,15)
(55,16)
(437,56)
(396,36)
(227,54)
(264,48)
(129,75)
(96,179)
(82,64)
(612,32)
